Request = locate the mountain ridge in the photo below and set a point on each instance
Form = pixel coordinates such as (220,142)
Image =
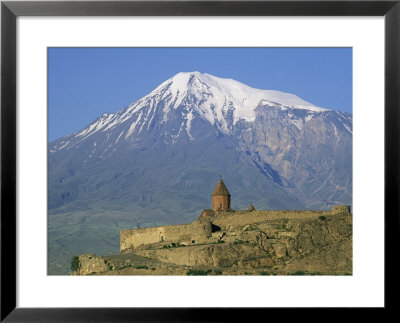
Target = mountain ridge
(172,88)
(156,161)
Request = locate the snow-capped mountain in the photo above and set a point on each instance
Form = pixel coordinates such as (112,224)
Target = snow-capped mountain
(291,148)
(158,160)
(221,102)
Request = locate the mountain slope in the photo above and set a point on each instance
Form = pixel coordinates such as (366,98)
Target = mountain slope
(158,160)
(222,102)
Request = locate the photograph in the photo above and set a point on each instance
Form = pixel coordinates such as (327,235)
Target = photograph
(152,150)
(212,161)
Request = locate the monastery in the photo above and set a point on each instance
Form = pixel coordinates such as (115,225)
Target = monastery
(212,223)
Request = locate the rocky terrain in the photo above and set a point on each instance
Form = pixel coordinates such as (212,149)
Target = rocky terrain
(155,161)
(315,244)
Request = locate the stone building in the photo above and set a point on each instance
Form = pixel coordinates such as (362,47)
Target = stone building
(221,198)
(199,229)
(220,218)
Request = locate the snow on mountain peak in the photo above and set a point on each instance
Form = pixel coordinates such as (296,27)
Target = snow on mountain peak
(213,98)
(216,96)
(220,101)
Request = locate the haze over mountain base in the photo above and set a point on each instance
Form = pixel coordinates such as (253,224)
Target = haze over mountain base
(156,161)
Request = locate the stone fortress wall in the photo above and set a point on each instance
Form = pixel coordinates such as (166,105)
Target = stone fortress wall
(134,238)
(340,209)
(234,220)
(237,239)
(202,228)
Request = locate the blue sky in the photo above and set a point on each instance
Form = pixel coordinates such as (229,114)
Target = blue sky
(84,83)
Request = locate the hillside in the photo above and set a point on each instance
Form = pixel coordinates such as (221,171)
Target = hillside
(156,161)
(285,243)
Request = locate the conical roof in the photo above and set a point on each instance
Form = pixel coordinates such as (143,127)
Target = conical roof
(221,189)
(251,207)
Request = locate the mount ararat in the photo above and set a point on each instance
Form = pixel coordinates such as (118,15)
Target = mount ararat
(157,161)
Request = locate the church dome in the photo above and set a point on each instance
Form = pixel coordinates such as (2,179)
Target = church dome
(221,189)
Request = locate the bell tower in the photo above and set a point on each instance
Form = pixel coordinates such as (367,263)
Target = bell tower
(220,198)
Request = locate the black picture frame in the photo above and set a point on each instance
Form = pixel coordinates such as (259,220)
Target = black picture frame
(10,10)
